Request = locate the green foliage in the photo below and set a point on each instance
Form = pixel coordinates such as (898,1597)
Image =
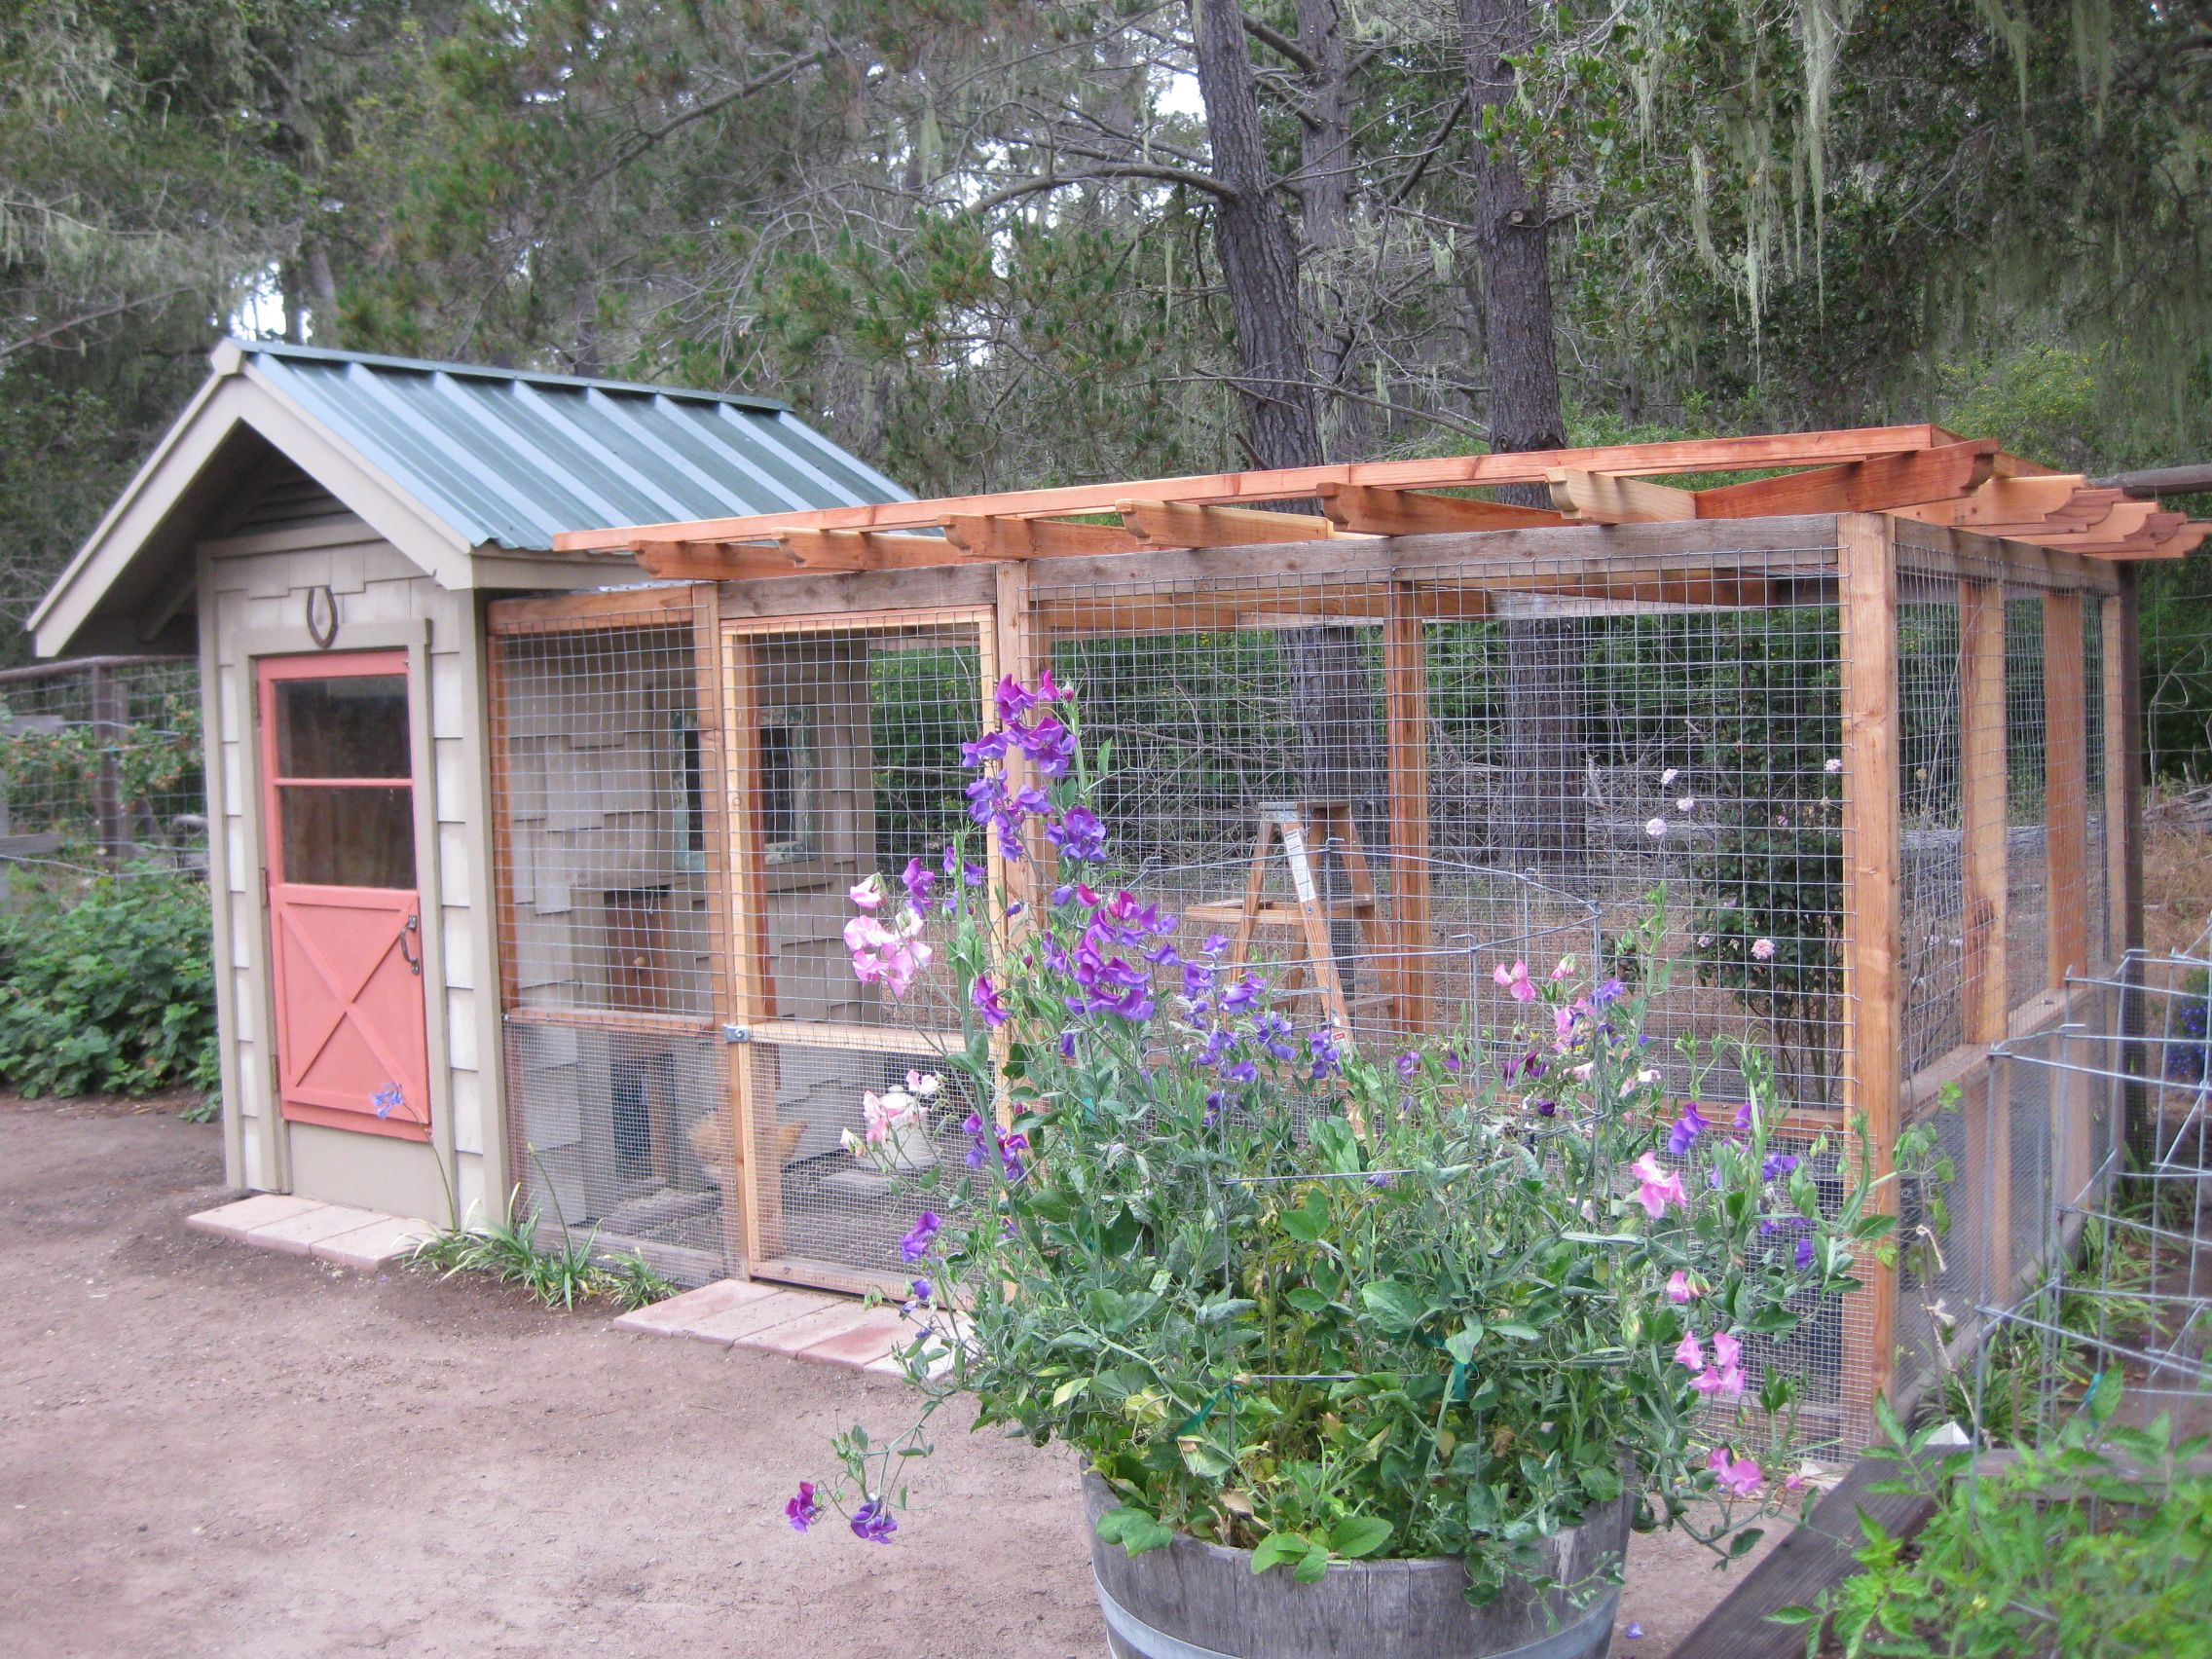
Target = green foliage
(2098,1545)
(47,778)
(557,1275)
(1329,1305)
(109,989)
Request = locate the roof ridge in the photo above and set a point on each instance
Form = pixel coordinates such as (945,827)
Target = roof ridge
(482,371)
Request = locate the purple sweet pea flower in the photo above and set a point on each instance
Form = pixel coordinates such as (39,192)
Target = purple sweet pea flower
(920,880)
(923,1291)
(1687,1127)
(873,1521)
(1777,1165)
(1067,1044)
(1406,1063)
(1049,746)
(1325,1054)
(1079,834)
(985,996)
(1744,1117)
(916,1244)
(1804,1254)
(802,1511)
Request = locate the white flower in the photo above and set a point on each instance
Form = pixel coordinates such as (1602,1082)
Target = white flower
(1685,804)
(1763,950)
(1657,826)
(923,1083)
(1836,764)
(1669,776)
(1704,940)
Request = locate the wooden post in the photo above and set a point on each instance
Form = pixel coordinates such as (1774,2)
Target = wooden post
(1405,694)
(108,725)
(2066,785)
(1866,557)
(2066,832)
(721,913)
(2124,767)
(753,1070)
(1982,781)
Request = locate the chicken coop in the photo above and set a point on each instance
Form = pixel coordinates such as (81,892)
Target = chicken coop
(1860,718)
(529,842)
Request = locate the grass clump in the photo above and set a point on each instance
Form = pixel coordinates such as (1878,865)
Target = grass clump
(558,1275)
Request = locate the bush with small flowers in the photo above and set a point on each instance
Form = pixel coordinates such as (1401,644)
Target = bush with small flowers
(1288,1293)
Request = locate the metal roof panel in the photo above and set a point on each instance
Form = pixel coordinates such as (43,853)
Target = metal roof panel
(510,457)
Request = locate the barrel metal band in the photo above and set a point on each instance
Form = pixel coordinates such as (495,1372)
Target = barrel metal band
(1568,1642)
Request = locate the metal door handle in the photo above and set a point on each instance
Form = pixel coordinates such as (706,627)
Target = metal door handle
(412,958)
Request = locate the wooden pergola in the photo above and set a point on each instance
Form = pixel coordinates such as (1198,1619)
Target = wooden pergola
(1920,473)
(1866,521)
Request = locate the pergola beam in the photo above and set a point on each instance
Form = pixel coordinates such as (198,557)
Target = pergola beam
(1373,510)
(1691,455)
(1184,524)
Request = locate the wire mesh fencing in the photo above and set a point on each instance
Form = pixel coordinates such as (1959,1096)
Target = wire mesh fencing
(102,768)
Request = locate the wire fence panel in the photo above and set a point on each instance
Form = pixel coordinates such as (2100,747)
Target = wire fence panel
(101,768)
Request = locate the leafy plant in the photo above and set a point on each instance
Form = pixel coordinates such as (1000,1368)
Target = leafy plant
(1320,1303)
(2098,1545)
(109,988)
(558,1275)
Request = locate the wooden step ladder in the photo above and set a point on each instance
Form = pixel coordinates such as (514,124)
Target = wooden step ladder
(1304,829)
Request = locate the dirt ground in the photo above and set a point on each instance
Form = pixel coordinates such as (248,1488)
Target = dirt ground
(207,1450)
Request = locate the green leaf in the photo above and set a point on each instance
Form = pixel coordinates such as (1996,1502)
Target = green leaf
(1460,1345)
(1358,1536)
(1134,1529)
(1795,1616)
(1515,1329)
(1069,1389)
(1396,1307)
(1308,1221)
(1305,1299)
(1278,1547)
(1203,1459)
(1314,1568)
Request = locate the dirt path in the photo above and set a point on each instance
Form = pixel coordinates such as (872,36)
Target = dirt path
(207,1450)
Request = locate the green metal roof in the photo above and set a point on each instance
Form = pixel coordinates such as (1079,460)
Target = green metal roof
(510,457)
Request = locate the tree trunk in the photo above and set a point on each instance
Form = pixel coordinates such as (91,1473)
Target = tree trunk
(1325,197)
(1543,812)
(1259,256)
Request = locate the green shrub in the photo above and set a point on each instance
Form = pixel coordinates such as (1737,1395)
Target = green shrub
(108,989)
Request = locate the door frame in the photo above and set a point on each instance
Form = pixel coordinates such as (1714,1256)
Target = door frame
(742,922)
(257,1009)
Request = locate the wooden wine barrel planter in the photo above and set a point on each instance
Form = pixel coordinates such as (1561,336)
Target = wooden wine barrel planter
(1198,1600)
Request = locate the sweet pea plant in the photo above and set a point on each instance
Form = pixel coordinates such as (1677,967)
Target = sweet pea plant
(1285,1293)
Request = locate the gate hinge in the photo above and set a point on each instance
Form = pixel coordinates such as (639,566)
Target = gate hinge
(737,1034)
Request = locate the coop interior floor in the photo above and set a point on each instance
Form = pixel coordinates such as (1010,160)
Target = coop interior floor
(211,1450)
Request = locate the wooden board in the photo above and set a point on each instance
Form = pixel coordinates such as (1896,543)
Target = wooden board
(2066,778)
(1373,511)
(662,607)
(1982,785)
(1808,1561)
(1405,712)
(1694,455)
(1942,473)
(1871,1012)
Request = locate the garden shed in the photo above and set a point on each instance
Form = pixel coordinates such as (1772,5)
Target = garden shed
(325,531)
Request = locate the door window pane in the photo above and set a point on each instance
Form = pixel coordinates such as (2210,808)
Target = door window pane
(353,728)
(347,837)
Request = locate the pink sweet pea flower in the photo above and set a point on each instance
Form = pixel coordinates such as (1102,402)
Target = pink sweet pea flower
(867,894)
(1682,1288)
(1727,1383)
(1726,1350)
(1738,1475)
(1515,980)
(1656,1188)
(1763,950)
(1688,1354)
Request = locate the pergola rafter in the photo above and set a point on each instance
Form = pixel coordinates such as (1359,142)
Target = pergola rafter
(1921,472)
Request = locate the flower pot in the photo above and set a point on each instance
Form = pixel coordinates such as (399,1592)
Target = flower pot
(1193,1600)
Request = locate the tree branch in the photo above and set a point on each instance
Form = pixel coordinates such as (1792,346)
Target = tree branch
(1092,176)
(639,142)
(1274,40)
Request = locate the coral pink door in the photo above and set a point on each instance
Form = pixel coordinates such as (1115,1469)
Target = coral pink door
(345,913)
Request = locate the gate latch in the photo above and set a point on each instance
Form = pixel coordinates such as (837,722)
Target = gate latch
(737,1034)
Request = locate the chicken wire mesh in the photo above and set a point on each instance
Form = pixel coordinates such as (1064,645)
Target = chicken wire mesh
(1484,764)
(2103,1276)
(101,768)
